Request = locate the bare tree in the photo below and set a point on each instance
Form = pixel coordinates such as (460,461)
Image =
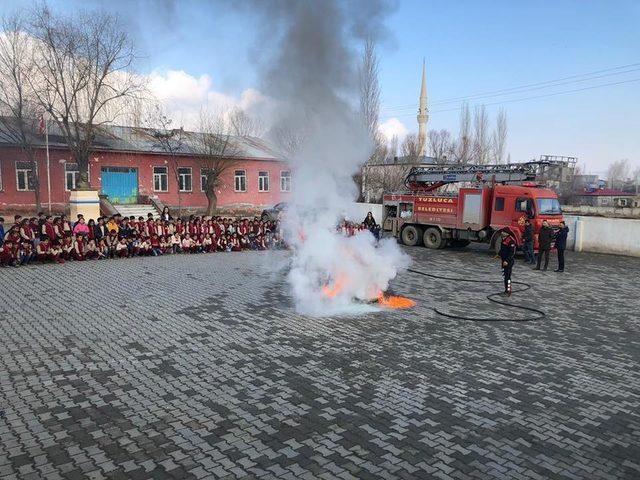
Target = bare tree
(440,145)
(618,172)
(463,146)
(287,140)
(499,138)
(18,106)
(394,144)
(410,148)
(219,146)
(381,179)
(636,180)
(170,140)
(481,145)
(369,86)
(82,73)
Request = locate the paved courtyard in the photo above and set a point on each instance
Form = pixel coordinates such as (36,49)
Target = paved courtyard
(197,367)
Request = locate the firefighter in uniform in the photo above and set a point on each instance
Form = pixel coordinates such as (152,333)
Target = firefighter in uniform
(507,255)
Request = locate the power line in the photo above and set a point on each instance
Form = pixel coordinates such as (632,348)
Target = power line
(531,98)
(538,85)
(477,97)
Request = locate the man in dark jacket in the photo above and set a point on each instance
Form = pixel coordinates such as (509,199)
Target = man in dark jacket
(561,245)
(527,243)
(545,237)
(507,254)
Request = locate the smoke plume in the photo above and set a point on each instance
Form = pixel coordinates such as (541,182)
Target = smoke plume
(312,78)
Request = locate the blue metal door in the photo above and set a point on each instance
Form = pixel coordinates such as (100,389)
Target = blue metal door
(120,184)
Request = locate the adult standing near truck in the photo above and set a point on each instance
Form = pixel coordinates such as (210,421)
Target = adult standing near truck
(561,245)
(507,254)
(545,237)
(527,243)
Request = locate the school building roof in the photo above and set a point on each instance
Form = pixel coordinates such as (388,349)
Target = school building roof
(138,140)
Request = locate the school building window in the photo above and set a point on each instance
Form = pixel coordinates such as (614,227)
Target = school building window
(71,175)
(263,181)
(184,179)
(204,174)
(160,179)
(240,180)
(25,176)
(285,181)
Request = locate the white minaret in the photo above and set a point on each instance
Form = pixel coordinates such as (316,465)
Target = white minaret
(423,114)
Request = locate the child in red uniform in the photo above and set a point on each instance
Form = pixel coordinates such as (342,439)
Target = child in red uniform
(165,245)
(102,249)
(222,243)
(207,243)
(150,225)
(7,254)
(66,247)
(112,241)
(27,253)
(155,245)
(145,247)
(120,249)
(91,252)
(79,247)
(65,226)
(235,243)
(244,242)
(43,250)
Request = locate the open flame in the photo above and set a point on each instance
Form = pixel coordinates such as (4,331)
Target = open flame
(394,301)
(332,290)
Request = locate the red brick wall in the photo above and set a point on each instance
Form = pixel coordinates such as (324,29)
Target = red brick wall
(12,200)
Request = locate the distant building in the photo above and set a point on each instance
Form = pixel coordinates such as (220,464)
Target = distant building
(129,166)
(607,197)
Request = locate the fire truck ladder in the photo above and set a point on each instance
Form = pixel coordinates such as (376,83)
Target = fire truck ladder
(431,178)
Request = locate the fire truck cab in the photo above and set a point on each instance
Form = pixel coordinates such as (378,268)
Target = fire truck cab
(421,215)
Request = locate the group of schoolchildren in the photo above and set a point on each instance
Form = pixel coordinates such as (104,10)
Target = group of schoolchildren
(55,239)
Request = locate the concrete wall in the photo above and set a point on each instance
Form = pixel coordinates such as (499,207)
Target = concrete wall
(619,236)
(620,212)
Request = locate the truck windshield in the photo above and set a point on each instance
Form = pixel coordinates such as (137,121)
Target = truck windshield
(548,206)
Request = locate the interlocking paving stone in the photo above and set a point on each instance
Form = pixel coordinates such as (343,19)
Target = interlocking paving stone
(197,366)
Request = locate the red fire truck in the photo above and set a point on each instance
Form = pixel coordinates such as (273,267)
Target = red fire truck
(500,198)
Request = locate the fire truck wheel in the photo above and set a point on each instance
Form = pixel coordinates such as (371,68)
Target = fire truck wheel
(433,238)
(411,235)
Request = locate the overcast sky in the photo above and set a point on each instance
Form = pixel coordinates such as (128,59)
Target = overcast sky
(197,52)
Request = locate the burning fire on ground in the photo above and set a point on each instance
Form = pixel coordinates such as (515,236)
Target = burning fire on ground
(393,302)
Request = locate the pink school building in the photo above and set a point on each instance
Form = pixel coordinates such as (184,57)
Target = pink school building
(129,167)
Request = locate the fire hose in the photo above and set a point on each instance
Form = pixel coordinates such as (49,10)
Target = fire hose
(491,297)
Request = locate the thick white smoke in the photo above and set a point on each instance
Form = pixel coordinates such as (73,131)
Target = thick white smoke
(313,78)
